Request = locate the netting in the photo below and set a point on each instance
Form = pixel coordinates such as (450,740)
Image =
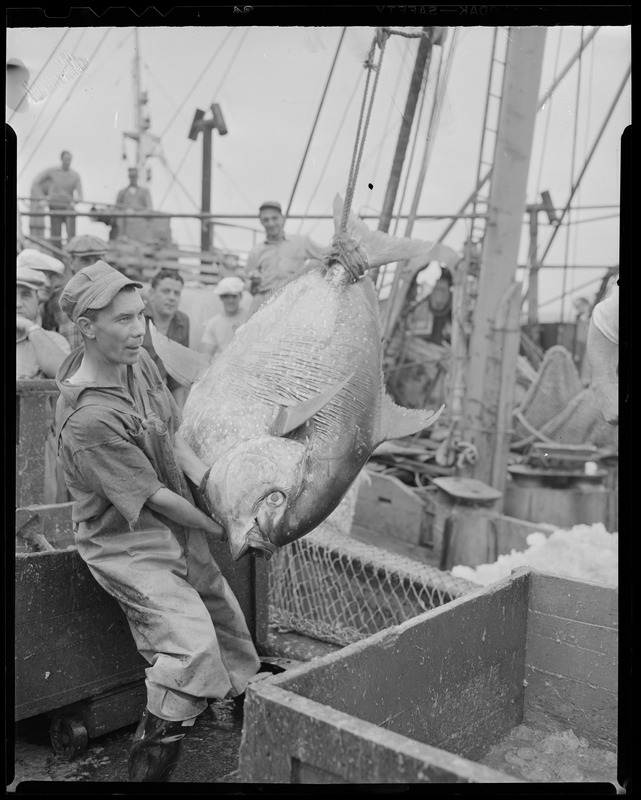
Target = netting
(334,588)
(556,383)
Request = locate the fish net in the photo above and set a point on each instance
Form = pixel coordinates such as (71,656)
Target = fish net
(558,408)
(334,588)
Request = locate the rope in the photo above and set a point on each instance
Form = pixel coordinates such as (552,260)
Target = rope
(381,37)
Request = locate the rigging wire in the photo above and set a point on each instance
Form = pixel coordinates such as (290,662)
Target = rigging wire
(41,116)
(217,52)
(575,134)
(189,147)
(330,152)
(617,96)
(408,169)
(62,105)
(42,69)
(315,123)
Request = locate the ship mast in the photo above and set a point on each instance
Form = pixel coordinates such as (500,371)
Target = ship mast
(146,142)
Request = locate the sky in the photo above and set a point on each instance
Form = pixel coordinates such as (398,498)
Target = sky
(269,83)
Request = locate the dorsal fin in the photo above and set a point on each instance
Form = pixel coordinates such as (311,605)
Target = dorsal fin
(182,363)
(396,421)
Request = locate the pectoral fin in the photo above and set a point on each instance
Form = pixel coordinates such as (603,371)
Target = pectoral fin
(182,363)
(288,418)
(396,421)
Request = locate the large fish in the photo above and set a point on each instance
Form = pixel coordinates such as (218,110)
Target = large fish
(290,412)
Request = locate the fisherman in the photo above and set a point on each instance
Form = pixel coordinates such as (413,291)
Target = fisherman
(131,198)
(57,275)
(39,354)
(279,258)
(221,328)
(135,521)
(63,187)
(82,250)
(602,349)
(162,311)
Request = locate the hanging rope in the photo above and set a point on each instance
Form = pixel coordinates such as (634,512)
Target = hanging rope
(382,35)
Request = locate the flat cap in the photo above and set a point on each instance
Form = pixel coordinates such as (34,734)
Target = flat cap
(271,204)
(37,260)
(32,278)
(87,245)
(93,287)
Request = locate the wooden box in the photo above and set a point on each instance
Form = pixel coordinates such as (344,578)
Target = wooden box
(425,701)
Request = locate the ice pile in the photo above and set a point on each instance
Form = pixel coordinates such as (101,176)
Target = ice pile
(586,552)
(551,756)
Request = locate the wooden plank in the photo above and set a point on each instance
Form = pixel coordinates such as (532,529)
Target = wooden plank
(573,657)
(289,738)
(582,601)
(53,522)
(462,666)
(589,711)
(388,506)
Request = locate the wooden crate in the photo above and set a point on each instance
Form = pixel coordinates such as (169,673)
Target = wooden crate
(426,700)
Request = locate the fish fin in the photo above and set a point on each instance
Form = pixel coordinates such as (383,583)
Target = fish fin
(396,421)
(182,363)
(379,247)
(288,418)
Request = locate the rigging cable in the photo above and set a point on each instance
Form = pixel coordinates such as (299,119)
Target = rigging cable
(572,167)
(320,106)
(189,147)
(329,154)
(62,105)
(35,80)
(588,159)
(200,77)
(45,74)
(482,181)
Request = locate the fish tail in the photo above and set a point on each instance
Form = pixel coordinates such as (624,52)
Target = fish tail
(359,249)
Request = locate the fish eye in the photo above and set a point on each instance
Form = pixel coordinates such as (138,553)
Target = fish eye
(275,498)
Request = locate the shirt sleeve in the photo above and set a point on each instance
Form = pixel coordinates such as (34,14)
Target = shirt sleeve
(209,334)
(110,463)
(606,316)
(252,261)
(60,340)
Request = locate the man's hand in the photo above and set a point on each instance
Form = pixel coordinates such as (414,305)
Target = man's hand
(213,529)
(23,325)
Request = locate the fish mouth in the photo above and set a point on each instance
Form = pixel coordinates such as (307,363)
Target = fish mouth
(256,544)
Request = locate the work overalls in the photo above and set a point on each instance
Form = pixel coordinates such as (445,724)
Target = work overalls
(184,618)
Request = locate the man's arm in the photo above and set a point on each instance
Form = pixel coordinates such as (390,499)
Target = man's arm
(49,354)
(79,195)
(177,509)
(603,357)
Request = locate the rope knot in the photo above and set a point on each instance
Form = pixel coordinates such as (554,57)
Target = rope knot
(349,254)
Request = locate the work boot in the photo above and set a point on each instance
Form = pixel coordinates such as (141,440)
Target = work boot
(156,748)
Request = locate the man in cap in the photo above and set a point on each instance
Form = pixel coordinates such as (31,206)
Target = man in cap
(39,352)
(131,198)
(82,250)
(162,309)
(63,187)
(57,275)
(85,250)
(221,328)
(135,521)
(279,258)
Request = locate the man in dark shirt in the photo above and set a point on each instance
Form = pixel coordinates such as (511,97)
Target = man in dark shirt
(135,522)
(162,310)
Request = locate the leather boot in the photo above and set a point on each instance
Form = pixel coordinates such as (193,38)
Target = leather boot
(156,748)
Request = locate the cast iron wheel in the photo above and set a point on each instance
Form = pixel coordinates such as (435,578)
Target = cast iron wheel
(68,736)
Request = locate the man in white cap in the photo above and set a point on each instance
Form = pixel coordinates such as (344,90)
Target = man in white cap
(221,328)
(57,275)
(278,259)
(135,522)
(39,353)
